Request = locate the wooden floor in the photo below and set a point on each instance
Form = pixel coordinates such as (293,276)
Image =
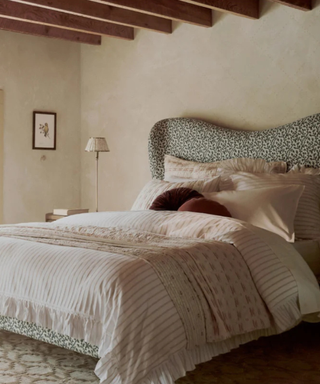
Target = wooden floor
(290,358)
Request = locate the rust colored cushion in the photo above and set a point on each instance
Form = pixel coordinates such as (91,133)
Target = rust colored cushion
(171,200)
(204,205)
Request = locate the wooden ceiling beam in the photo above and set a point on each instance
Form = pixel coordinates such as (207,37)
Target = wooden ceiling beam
(169,9)
(303,5)
(48,31)
(246,8)
(106,13)
(37,15)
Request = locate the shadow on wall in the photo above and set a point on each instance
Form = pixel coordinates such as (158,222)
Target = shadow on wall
(266,6)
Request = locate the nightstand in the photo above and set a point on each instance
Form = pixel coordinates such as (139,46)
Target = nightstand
(51,217)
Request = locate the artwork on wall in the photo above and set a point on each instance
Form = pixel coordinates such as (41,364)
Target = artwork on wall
(44,130)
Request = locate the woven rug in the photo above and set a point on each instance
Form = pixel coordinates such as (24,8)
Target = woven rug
(27,361)
(290,358)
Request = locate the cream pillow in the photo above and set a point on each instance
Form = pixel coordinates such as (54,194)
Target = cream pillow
(178,169)
(252,166)
(307,220)
(304,169)
(273,209)
(154,188)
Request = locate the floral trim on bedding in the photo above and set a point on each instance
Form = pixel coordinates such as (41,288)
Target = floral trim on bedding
(196,140)
(44,334)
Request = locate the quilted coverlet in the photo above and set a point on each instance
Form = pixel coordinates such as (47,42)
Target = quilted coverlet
(157,292)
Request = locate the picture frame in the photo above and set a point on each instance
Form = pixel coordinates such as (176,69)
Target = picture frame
(44,130)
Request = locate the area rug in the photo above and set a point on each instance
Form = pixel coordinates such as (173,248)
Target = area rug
(290,358)
(27,361)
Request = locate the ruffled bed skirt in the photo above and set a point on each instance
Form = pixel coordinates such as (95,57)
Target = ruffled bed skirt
(84,328)
(75,325)
(178,364)
(47,335)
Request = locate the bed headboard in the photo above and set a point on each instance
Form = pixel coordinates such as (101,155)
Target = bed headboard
(196,140)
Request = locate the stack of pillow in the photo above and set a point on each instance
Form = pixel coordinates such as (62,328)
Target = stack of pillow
(252,190)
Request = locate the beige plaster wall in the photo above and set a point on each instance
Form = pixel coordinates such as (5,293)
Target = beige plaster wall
(1,155)
(240,73)
(39,74)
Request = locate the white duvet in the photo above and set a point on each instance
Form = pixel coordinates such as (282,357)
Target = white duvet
(118,301)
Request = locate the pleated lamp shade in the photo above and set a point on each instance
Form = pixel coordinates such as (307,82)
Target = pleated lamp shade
(97,144)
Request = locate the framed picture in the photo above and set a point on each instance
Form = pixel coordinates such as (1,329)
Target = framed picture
(44,130)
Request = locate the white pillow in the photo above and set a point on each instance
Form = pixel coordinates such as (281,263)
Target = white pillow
(178,169)
(273,209)
(307,221)
(154,188)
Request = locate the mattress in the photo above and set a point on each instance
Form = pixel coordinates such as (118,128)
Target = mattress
(310,251)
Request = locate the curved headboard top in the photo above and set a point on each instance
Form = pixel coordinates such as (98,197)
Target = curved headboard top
(196,140)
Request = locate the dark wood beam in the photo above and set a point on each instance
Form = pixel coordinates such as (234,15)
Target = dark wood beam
(246,8)
(170,9)
(106,13)
(47,31)
(37,15)
(303,5)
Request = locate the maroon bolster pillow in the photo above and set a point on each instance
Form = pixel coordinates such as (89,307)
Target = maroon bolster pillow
(171,200)
(204,205)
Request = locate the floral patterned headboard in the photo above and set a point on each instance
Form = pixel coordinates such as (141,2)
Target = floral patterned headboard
(196,140)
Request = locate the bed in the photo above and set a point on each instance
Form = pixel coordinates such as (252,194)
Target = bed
(150,293)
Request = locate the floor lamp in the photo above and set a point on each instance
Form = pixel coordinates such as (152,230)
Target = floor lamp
(97,144)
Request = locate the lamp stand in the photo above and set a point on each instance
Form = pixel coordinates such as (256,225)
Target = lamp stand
(97,185)
(97,144)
